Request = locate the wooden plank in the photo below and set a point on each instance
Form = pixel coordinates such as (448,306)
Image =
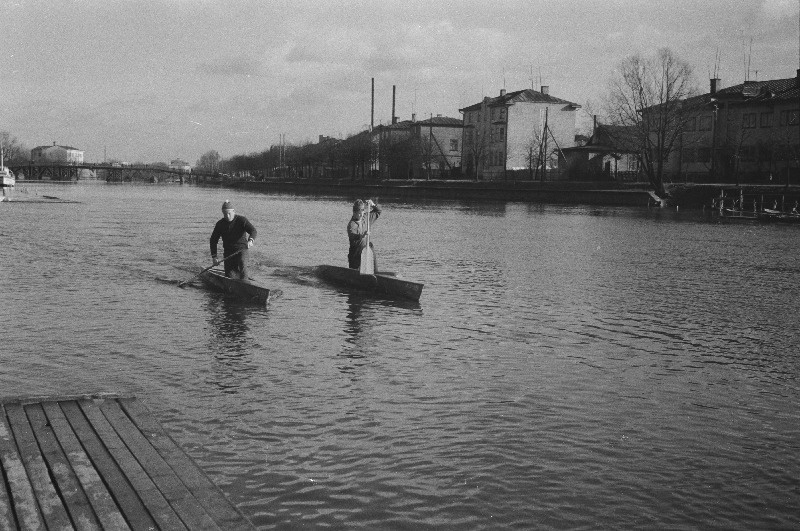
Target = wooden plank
(66,483)
(131,465)
(98,496)
(179,497)
(20,492)
(52,509)
(136,514)
(210,496)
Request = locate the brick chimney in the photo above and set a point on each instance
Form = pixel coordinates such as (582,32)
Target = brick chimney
(715,85)
(545,90)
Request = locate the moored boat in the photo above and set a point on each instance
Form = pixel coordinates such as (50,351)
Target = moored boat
(386,284)
(240,289)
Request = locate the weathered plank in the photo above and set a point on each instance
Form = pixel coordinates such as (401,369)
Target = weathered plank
(52,510)
(188,508)
(137,515)
(66,483)
(92,463)
(105,508)
(198,483)
(20,492)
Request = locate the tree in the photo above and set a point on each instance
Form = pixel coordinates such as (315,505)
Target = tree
(14,152)
(648,94)
(209,161)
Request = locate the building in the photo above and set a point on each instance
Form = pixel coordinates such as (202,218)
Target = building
(392,151)
(612,153)
(436,149)
(56,155)
(515,132)
(748,132)
(180,165)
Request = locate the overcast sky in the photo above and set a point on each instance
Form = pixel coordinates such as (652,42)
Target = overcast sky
(149,81)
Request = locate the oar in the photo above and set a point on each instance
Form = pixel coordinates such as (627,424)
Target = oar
(367,260)
(209,267)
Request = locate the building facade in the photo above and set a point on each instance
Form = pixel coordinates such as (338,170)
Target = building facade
(517,131)
(180,165)
(436,149)
(748,132)
(56,155)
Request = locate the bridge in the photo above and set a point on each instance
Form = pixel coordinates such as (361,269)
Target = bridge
(114,172)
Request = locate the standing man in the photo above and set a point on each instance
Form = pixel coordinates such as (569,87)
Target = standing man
(237,234)
(357,231)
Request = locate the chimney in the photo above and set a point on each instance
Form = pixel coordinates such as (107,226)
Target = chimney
(394,91)
(413,117)
(502,92)
(715,85)
(545,90)
(594,125)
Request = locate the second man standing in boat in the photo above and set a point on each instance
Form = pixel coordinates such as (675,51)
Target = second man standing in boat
(357,230)
(237,234)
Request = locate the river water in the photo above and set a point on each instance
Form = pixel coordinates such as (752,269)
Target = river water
(566,367)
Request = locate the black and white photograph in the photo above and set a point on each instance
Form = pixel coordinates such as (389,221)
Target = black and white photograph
(414,265)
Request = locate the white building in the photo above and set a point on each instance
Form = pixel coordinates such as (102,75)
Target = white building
(56,154)
(180,165)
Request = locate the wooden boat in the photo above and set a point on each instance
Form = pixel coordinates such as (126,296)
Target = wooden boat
(241,289)
(386,284)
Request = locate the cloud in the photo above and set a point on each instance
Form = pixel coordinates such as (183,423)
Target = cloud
(236,66)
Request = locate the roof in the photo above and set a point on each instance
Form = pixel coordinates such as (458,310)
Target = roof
(772,90)
(519,96)
(611,138)
(52,146)
(441,121)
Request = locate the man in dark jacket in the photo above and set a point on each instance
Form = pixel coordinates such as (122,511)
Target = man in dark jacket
(237,234)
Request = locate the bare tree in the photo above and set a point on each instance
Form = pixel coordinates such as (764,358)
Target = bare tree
(14,151)
(648,93)
(209,161)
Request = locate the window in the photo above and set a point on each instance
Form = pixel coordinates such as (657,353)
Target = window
(749,120)
(453,144)
(704,124)
(789,117)
(766,119)
(691,124)
(502,113)
(502,133)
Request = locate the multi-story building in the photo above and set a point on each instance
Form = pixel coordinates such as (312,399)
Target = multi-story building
(516,131)
(392,150)
(56,154)
(748,132)
(436,149)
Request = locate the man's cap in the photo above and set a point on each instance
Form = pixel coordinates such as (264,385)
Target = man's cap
(227,205)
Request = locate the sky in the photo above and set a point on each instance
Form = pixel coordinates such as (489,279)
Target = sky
(156,80)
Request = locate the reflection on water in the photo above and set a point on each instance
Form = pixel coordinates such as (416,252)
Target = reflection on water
(228,343)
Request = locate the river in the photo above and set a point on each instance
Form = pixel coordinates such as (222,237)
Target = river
(566,367)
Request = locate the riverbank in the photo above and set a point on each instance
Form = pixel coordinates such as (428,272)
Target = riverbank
(608,194)
(684,195)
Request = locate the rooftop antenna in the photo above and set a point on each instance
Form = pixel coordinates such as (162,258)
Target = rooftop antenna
(531,79)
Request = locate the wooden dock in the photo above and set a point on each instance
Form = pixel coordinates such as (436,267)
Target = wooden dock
(101,463)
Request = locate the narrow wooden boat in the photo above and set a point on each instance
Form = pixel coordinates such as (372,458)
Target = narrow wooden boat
(386,284)
(245,290)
